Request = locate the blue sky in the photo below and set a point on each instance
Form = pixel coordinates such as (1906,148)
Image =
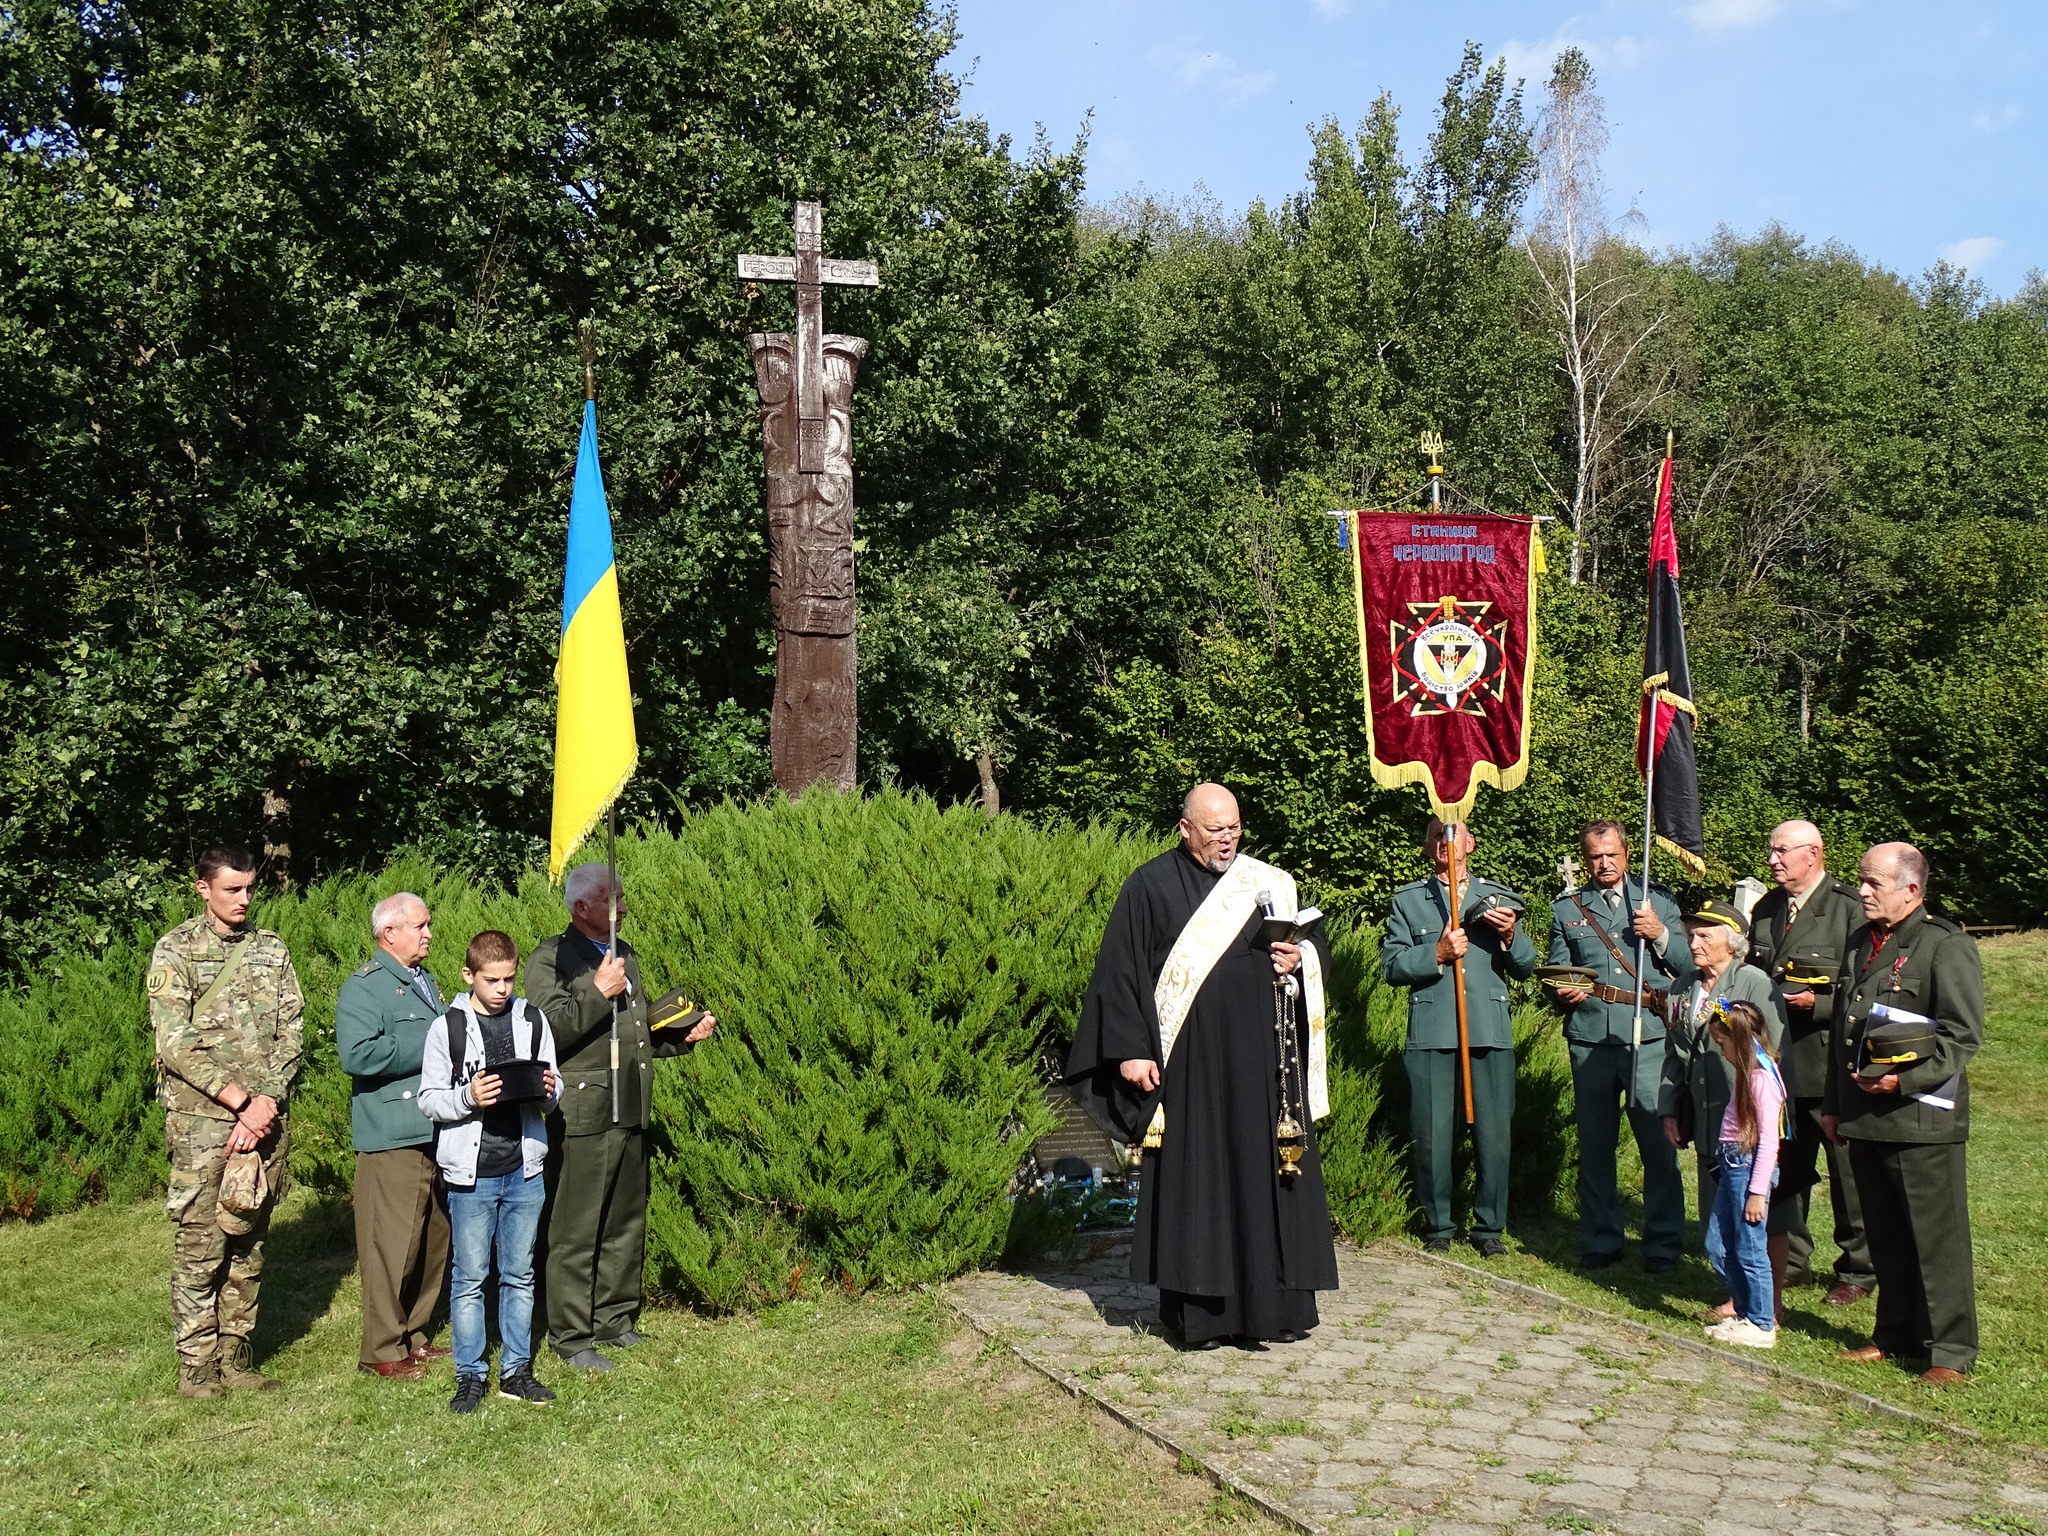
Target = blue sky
(1910,132)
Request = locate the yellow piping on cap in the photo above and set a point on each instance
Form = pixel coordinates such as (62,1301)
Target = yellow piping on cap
(1714,917)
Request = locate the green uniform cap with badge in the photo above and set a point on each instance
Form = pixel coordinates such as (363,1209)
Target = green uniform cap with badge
(673,1010)
(1484,897)
(1577,977)
(1893,1040)
(1722,914)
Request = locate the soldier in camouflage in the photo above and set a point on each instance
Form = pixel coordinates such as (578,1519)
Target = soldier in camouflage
(225,1005)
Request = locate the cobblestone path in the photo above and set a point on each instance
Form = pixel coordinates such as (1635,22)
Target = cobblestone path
(1430,1402)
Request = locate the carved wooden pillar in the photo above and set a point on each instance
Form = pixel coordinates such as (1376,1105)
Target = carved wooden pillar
(813,732)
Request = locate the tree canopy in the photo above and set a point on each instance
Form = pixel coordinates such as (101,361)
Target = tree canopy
(291,360)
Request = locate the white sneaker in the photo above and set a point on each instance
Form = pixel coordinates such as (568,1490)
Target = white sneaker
(1741,1331)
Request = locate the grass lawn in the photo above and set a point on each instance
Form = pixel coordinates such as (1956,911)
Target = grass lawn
(2007,1397)
(878,1415)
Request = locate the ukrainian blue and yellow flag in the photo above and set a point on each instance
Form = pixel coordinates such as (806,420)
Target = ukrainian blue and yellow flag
(595,750)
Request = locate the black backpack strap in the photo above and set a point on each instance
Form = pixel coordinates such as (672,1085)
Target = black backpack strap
(534,1019)
(458,1033)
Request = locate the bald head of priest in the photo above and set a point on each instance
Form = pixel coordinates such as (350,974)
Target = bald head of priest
(1211,827)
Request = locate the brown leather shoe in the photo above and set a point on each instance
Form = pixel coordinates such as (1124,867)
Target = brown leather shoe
(1943,1376)
(1843,1294)
(1864,1354)
(431,1352)
(407,1369)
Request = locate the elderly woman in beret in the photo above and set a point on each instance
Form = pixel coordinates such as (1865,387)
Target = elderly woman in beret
(1697,1082)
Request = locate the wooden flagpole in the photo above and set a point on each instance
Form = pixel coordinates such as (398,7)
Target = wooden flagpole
(1455,832)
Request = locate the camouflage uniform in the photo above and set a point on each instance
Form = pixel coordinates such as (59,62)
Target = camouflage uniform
(249,1036)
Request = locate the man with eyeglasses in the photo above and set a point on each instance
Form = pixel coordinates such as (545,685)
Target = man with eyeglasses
(1799,937)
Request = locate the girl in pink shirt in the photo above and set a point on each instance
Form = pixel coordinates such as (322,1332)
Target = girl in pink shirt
(1747,1160)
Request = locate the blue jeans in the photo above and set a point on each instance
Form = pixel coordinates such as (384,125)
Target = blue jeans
(1740,1250)
(506,1211)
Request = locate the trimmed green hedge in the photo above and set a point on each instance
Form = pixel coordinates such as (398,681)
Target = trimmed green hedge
(886,975)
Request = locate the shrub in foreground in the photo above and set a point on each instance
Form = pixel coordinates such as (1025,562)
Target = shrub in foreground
(886,973)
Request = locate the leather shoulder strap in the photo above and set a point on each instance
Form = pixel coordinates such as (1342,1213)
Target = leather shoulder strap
(1605,937)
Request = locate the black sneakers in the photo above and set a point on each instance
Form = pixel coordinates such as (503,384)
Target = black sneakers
(522,1388)
(518,1385)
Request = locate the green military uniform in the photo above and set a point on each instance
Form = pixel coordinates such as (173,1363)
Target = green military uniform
(1408,959)
(1695,1069)
(381,1019)
(597,1226)
(1908,1148)
(1608,1075)
(1814,943)
(248,1035)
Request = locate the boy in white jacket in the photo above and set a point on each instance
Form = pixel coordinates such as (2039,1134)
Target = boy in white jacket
(491,1147)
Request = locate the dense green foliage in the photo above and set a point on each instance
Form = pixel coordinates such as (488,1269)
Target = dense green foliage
(289,352)
(888,977)
(884,1002)
(892,975)
(290,357)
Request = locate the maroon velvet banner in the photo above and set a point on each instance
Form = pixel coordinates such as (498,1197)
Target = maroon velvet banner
(1447,639)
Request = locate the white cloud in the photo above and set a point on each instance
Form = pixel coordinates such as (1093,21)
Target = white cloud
(1532,61)
(1990,120)
(1330,8)
(1973,254)
(1727,15)
(1219,71)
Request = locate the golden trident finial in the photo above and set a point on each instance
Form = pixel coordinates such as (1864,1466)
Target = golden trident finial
(1433,445)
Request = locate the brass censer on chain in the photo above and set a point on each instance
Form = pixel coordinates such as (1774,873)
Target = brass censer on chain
(1290,1129)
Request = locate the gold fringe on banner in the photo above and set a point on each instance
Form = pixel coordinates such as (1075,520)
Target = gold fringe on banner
(1399,775)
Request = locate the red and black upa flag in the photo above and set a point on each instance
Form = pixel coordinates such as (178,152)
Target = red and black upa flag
(1664,747)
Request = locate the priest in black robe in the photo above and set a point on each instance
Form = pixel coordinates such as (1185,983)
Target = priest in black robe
(1177,1038)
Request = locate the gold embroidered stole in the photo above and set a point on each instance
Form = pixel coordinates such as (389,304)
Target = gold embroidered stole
(1217,922)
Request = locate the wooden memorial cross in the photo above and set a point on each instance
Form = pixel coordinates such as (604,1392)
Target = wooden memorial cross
(812,272)
(806,383)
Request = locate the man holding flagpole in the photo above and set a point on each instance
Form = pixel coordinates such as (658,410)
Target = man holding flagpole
(1623,936)
(586,979)
(1620,1013)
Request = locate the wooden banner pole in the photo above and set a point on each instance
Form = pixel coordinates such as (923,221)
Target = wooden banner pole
(1456,833)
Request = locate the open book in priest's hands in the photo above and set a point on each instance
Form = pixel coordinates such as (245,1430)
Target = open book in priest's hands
(1288,930)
